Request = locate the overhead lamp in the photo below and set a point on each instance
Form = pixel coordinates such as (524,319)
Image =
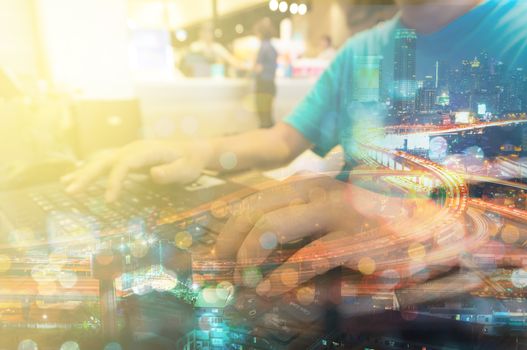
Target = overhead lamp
(293,8)
(283,6)
(302,9)
(239,28)
(273,5)
(181,35)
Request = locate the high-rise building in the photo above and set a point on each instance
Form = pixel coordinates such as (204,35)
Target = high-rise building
(498,86)
(461,86)
(514,85)
(428,83)
(441,77)
(405,84)
(426,99)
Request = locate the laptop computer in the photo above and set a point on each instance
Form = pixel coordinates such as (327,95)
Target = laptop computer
(46,219)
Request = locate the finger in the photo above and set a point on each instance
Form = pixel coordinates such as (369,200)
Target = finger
(232,236)
(84,176)
(251,210)
(295,191)
(72,175)
(179,171)
(68,178)
(445,288)
(280,227)
(314,259)
(116,178)
(122,168)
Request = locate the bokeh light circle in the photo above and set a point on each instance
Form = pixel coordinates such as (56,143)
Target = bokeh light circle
(438,148)
(67,279)
(228,160)
(45,273)
(251,276)
(113,346)
(273,5)
(366,266)
(302,9)
(519,278)
(306,295)
(510,234)
(475,152)
(139,248)
(289,277)
(268,240)
(27,344)
(70,345)
(283,6)
(183,240)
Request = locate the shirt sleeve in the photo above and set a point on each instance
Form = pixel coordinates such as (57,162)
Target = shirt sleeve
(317,115)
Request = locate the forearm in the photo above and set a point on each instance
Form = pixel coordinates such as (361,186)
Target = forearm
(262,148)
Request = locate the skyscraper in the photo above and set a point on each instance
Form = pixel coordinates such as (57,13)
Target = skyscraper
(461,82)
(404,73)
(514,85)
(441,76)
(426,99)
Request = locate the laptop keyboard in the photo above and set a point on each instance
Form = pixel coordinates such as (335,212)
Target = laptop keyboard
(47,214)
(278,324)
(142,211)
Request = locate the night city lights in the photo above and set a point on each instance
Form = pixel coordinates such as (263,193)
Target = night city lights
(263,174)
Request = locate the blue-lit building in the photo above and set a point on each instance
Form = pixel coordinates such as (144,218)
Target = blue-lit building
(404,74)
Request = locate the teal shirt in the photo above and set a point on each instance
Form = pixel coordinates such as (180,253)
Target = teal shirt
(329,116)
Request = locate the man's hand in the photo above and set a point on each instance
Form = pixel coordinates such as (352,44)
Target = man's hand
(183,162)
(167,162)
(342,224)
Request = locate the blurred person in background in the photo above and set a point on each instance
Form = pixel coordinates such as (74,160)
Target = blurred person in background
(265,72)
(327,51)
(206,52)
